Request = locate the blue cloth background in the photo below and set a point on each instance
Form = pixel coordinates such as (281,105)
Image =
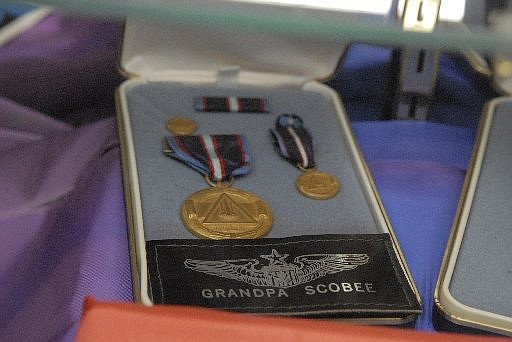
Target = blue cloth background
(8,12)
(418,167)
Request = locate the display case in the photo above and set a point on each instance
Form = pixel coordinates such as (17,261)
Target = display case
(312,255)
(474,283)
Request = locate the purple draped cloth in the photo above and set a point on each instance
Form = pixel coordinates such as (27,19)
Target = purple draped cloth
(63,230)
(63,66)
(62,220)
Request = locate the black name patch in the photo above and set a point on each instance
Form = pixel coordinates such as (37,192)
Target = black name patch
(323,276)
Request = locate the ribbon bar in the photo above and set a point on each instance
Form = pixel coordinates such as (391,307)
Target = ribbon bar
(231,104)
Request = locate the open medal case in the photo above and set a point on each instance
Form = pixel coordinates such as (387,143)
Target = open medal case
(172,64)
(473,289)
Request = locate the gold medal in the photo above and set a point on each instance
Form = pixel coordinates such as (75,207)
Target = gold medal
(317,185)
(222,212)
(295,144)
(181,126)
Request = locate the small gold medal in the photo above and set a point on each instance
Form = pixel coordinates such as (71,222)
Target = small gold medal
(226,213)
(294,142)
(181,126)
(317,185)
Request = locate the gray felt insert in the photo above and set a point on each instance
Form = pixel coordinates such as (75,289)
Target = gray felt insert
(165,183)
(482,276)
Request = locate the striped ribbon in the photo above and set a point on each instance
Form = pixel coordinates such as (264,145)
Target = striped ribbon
(231,104)
(293,141)
(219,156)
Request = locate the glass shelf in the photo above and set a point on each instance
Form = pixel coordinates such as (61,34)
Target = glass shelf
(481,25)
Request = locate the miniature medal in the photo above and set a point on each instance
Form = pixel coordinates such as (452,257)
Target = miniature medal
(220,212)
(179,125)
(294,142)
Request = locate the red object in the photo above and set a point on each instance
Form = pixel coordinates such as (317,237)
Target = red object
(134,322)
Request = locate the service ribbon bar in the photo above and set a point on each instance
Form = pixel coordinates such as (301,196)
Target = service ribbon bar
(219,156)
(293,141)
(231,104)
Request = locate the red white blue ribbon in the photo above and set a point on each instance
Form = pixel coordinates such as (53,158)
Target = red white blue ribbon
(293,141)
(221,157)
(231,104)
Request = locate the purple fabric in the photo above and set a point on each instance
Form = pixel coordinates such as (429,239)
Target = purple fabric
(64,233)
(63,229)
(63,66)
(61,205)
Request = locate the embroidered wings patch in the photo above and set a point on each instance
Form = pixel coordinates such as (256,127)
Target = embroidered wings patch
(279,273)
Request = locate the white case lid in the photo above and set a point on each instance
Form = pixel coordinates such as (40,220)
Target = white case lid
(173,50)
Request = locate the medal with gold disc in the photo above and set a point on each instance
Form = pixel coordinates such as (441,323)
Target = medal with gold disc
(294,143)
(179,125)
(219,212)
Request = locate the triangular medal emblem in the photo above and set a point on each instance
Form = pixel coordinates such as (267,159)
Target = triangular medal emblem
(225,210)
(319,182)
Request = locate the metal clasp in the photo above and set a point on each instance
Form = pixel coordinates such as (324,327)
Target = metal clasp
(420,15)
(418,66)
(218,184)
